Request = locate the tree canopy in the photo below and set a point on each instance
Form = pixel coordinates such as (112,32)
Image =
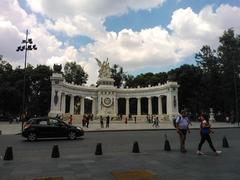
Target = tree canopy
(213,82)
(74,72)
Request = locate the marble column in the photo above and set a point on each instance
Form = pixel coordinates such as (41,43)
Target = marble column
(160,105)
(127,106)
(99,110)
(72,105)
(53,108)
(169,104)
(139,106)
(94,106)
(150,105)
(63,103)
(116,106)
(82,106)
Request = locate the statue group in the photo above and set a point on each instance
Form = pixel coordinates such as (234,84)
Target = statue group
(104,71)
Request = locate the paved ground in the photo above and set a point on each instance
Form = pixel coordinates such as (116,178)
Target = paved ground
(77,159)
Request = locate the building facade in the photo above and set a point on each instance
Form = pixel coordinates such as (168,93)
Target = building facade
(106,99)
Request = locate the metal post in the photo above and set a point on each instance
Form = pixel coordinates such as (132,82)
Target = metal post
(24,79)
(25,48)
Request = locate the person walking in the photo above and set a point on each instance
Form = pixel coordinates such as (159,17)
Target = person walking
(70,120)
(87,120)
(101,122)
(205,130)
(107,121)
(126,120)
(182,127)
(157,121)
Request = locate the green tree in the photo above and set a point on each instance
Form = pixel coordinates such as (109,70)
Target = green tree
(188,77)
(210,84)
(40,90)
(75,73)
(10,91)
(229,54)
(118,75)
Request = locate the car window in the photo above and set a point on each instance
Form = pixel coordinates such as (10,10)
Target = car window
(42,122)
(53,122)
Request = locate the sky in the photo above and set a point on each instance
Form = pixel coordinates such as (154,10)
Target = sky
(139,35)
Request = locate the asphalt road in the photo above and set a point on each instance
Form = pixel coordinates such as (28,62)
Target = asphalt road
(77,159)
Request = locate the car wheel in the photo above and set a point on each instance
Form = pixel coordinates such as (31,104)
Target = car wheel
(72,135)
(32,136)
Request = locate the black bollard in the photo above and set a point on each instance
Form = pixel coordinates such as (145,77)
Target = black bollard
(98,149)
(8,154)
(167,146)
(135,147)
(55,152)
(225,142)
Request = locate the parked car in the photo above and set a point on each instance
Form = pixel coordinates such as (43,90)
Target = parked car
(45,127)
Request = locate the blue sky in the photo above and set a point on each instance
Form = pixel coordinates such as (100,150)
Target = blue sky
(141,36)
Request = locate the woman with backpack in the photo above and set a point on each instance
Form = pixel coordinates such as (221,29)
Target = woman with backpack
(205,130)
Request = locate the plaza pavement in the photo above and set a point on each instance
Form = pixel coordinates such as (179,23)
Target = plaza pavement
(78,161)
(94,126)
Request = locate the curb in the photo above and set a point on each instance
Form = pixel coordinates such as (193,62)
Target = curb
(125,130)
(167,129)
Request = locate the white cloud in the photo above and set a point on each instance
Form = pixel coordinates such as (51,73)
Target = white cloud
(85,17)
(150,47)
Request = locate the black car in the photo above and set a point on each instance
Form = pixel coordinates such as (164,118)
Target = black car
(49,128)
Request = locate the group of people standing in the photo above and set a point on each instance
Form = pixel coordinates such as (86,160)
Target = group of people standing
(107,121)
(182,127)
(85,120)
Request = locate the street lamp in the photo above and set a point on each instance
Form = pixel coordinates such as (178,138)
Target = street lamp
(27,45)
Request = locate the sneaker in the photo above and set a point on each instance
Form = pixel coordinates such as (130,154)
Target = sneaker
(218,152)
(200,152)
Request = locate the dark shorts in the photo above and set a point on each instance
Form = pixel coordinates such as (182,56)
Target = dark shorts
(183,131)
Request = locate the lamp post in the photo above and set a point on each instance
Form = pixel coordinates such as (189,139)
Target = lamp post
(26,45)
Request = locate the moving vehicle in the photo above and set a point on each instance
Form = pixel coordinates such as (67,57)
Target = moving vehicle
(45,127)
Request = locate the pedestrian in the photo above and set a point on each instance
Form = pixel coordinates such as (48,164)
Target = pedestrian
(18,119)
(157,121)
(70,120)
(107,121)
(205,130)
(126,120)
(101,122)
(84,120)
(121,116)
(135,119)
(182,127)
(154,122)
(87,120)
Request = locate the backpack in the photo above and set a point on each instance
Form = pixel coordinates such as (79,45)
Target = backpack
(175,120)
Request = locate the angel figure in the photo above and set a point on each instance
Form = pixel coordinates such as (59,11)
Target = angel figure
(104,70)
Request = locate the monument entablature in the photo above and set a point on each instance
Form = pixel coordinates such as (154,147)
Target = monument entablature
(67,98)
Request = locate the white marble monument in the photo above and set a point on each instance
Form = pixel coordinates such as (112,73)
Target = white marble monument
(105,96)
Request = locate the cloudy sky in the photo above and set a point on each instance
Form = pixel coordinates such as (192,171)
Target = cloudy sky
(139,35)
